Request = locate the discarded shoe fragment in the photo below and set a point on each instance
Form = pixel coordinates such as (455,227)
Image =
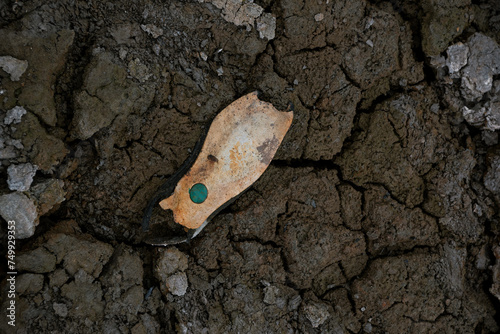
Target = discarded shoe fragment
(238,147)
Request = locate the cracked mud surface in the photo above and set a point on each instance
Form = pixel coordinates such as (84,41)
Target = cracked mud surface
(378,214)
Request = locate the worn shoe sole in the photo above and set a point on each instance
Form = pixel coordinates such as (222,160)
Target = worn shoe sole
(236,150)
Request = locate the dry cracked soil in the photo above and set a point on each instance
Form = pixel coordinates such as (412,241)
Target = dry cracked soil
(378,214)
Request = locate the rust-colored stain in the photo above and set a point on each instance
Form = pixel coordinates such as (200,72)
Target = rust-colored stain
(239,146)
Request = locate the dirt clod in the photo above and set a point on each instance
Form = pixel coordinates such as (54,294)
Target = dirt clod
(169,270)
(19,208)
(21,176)
(38,261)
(13,66)
(14,115)
(316,313)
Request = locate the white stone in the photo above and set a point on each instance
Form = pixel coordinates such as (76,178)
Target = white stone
(492,116)
(122,53)
(319,17)
(483,62)
(266,26)
(13,66)
(316,313)
(20,176)
(171,260)
(19,208)
(60,309)
(369,23)
(177,284)
(156,49)
(14,115)
(457,57)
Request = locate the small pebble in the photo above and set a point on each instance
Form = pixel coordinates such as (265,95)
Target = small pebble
(319,17)
(316,313)
(60,309)
(177,284)
(369,23)
(435,108)
(457,57)
(14,115)
(18,207)
(152,30)
(13,66)
(122,54)
(156,49)
(21,176)
(270,294)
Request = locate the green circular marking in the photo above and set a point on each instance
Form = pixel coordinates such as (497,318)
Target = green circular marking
(198,193)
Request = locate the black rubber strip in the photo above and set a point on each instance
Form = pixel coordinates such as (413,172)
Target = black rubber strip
(166,189)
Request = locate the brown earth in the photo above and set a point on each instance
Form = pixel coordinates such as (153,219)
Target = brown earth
(378,214)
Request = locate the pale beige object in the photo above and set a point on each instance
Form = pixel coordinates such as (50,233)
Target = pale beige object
(239,146)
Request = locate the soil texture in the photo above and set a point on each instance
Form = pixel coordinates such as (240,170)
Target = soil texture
(378,214)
